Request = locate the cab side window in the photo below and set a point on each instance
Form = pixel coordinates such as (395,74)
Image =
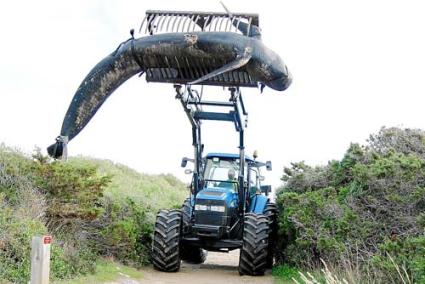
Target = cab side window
(253,183)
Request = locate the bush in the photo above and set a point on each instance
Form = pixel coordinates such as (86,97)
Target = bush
(16,231)
(363,209)
(285,272)
(130,203)
(22,215)
(125,233)
(80,204)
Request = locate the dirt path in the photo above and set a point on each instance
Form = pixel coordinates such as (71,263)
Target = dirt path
(219,268)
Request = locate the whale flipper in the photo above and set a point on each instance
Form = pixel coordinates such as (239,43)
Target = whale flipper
(240,61)
(59,150)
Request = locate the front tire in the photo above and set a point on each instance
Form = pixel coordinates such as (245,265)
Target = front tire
(190,254)
(186,216)
(254,251)
(166,241)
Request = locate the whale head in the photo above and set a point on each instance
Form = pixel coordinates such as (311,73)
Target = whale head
(268,68)
(279,76)
(281,83)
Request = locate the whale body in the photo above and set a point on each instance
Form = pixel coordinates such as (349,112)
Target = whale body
(197,58)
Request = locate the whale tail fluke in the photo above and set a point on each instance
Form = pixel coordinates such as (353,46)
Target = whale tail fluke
(58,150)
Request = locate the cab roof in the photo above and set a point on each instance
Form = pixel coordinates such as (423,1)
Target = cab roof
(228,156)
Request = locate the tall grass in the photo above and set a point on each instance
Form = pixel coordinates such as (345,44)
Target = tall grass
(350,275)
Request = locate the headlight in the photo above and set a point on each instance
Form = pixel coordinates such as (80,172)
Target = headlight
(200,207)
(217,208)
(210,208)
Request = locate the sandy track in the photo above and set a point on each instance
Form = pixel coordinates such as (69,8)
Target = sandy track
(219,268)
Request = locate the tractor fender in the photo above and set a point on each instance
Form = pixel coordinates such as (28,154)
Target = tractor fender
(258,204)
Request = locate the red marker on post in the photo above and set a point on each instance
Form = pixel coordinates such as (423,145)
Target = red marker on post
(47,240)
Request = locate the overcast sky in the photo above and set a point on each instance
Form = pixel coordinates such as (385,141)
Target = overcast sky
(357,65)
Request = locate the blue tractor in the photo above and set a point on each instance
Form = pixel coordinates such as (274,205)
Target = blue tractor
(228,207)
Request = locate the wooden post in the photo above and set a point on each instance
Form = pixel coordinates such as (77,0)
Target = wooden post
(40,259)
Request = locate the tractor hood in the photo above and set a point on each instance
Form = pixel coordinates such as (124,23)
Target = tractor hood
(213,196)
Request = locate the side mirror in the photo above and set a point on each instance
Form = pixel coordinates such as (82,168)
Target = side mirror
(269,165)
(266,189)
(184,162)
(188,171)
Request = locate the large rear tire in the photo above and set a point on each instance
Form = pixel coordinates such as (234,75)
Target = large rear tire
(254,251)
(271,212)
(166,241)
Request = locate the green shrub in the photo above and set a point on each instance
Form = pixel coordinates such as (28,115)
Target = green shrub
(285,272)
(126,232)
(16,231)
(22,216)
(72,192)
(361,210)
(407,253)
(92,208)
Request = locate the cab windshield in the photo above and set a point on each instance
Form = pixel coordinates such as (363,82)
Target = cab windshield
(221,173)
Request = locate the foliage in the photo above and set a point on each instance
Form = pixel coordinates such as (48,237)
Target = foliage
(22,215)
(326,276)
(285,272)
(16,230)
(154,192)
(89,206)
(408,252)
(130,203)
(73,193)
(361,210)
(125,232)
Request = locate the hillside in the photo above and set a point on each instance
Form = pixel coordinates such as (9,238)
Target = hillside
(153,191)
(93,208)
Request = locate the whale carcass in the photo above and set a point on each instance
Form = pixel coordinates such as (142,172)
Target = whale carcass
(191,56)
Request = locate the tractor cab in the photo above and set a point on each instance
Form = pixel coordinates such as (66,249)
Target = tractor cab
(214,208)
(221,171)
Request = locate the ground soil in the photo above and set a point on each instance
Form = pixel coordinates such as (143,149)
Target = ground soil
(218,268)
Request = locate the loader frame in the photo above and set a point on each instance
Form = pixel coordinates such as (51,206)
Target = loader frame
(192,103)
